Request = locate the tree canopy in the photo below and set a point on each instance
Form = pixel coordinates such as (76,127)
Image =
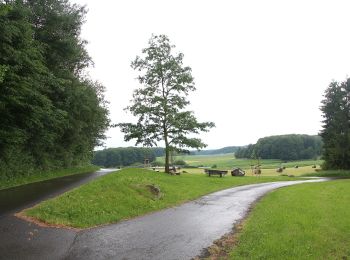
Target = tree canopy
(51,114)
(336,125)
(159,104)
(125,156)
(284,147)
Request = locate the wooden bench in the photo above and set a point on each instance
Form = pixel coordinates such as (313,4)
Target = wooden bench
(215,172)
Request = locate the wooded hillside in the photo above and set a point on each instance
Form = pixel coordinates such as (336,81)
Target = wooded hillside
(52,115)
(284,147)
(125,156)
(228,149)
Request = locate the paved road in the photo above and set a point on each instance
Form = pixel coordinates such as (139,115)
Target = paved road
(15,199)
(177,233)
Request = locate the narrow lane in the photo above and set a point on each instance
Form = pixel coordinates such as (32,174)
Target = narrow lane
(15,199)
(176,233)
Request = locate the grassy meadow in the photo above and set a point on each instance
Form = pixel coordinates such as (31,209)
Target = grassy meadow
(228,161)
(127,194)
(307,221)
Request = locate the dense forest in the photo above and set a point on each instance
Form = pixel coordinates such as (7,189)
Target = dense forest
(52,114)
(228,149)
(284,147)
(125,156)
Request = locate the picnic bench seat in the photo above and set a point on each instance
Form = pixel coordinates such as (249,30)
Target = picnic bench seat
(215,172)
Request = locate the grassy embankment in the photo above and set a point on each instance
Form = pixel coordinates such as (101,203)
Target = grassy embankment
(41,176)
(125,194)
(307,221)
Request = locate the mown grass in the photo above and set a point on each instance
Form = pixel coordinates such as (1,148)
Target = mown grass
(307,221)
(301,171)
(124,194)
(228,161)
(329,173)
(41,176)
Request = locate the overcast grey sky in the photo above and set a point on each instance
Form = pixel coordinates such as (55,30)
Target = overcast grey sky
(260,67)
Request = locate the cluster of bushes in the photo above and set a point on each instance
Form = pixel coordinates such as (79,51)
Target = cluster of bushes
(284,147)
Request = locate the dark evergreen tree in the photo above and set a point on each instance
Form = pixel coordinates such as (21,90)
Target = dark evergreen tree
(336,132)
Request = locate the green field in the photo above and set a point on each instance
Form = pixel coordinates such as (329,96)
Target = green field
(125,194)
(301,171)
(228,161)
(307,221)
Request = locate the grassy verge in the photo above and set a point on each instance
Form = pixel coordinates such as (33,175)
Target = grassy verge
(41,176)
(307,221)
(127,194)
(330,173)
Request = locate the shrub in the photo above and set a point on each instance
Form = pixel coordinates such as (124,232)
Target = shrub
(180,162)
(157,163)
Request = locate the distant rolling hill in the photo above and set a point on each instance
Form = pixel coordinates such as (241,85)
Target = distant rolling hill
(228,149)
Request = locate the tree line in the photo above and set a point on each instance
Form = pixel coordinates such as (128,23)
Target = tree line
(284,147)
(52,114)
(126,156)
(227,149)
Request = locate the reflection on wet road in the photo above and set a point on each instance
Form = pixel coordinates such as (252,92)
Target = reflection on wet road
(17,198)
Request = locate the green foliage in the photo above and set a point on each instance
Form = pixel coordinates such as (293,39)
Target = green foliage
(115,157)
(306,221)
(180,162)
(157,164)
(284,147)
(51,116)
(122,195)
(336,128)
(160,101)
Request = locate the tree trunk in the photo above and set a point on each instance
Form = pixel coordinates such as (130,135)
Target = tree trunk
(167,170)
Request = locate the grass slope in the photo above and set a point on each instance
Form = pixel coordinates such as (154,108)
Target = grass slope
(41,176)
(307,221)
(124,194)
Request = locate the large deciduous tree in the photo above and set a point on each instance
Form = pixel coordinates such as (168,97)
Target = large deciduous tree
(336,128)
(160,102)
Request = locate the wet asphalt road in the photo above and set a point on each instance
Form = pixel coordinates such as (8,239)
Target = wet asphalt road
(23,240)
(177,233)
(15,199)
